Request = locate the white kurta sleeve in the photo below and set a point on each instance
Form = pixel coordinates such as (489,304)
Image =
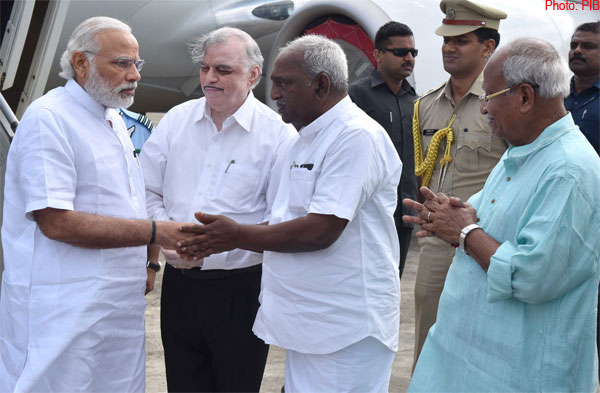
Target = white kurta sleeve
(47,163)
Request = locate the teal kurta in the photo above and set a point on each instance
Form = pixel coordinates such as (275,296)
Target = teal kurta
(529,324)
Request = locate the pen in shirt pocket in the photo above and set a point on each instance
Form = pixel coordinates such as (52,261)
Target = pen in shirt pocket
(136,155)
(228,165)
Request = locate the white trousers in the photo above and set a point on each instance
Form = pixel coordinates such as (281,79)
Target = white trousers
(363,367)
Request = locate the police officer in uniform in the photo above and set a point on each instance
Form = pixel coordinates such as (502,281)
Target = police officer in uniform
(454,148)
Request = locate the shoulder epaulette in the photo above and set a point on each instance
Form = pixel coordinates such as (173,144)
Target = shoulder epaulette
(146,122)
(428,92)
(143,120)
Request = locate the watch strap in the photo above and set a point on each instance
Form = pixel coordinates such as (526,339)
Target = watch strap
(154,266)
(463,235)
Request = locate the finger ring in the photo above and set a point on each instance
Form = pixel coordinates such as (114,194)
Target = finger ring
(428,214)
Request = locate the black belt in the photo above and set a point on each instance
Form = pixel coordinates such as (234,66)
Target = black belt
(212,274)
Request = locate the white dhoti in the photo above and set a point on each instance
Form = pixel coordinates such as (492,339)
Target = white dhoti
(364,367)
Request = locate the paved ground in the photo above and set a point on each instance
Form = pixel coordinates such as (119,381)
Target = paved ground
(273,378)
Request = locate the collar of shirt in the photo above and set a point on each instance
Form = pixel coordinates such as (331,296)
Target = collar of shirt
(308,132)
(243,116)
(81,96)
(515,156)
(475,89)
(377,79)
(117,122)
(595,86)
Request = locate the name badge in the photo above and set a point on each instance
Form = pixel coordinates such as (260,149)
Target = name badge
(429,132)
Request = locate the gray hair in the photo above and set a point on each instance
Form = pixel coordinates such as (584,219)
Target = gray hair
(84,39)
(322,55)
(198,46)
(536,62)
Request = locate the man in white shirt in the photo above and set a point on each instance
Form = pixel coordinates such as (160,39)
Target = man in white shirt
(214,154)
(331,289)
(74,229)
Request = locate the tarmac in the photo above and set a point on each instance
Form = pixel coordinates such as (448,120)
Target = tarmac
(274,370)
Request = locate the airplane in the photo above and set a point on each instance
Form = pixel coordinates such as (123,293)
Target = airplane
(35,33)
(164,26)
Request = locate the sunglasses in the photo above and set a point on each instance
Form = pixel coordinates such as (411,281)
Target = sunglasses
(400,52)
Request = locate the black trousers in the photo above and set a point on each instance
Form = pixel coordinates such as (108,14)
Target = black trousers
(404,236)
(206,328)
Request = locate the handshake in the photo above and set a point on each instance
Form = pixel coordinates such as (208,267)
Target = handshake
(186,245)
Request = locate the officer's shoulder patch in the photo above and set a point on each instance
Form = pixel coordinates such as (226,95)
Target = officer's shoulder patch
(430,91)
(143,120)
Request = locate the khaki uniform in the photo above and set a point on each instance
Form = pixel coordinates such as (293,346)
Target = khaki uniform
(475,152)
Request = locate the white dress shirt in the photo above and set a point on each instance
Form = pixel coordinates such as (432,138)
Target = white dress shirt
(344,164)
(189,166)
(71,318)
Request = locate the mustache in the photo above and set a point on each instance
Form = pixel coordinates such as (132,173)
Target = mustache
(125,86)
(214,87)
(407,64)
(577,57)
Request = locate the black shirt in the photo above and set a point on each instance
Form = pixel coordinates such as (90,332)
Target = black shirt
(394,112)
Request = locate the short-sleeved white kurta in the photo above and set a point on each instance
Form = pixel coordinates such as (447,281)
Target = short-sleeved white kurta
(343,164)
(71,318)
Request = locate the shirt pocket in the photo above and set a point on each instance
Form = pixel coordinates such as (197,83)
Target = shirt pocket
(469,147)
(238,187)
(302,188)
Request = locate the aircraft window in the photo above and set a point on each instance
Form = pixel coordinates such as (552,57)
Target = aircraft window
(274,11)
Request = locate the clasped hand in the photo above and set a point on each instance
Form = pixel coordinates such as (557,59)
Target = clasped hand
(440,216)
(218,234)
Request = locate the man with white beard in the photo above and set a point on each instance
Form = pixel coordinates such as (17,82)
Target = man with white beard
(75,232)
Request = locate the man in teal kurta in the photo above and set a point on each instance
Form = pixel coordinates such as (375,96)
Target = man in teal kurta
(518,310)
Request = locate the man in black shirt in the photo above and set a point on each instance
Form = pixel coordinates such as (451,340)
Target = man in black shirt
(388,98)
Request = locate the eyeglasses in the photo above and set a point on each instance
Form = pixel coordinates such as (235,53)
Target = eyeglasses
(485,98)
(122,63)
(400,52)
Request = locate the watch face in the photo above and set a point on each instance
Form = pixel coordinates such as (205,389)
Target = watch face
(153,266)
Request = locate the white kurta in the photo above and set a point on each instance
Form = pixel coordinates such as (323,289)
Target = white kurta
(344,164)
(71,318)
(190,166)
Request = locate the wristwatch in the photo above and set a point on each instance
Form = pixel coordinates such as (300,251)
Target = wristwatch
(154,266)
(463,235)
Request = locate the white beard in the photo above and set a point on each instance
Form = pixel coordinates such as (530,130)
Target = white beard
(101,90)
